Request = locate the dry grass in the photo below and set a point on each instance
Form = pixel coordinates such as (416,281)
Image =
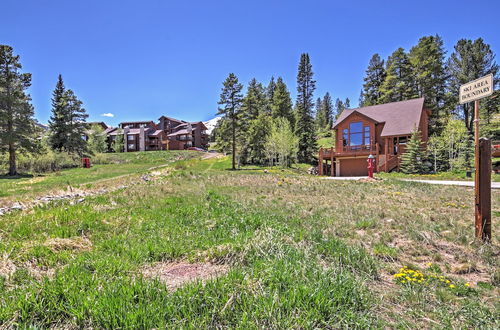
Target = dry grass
(75,243)
(399,223)
(176,274)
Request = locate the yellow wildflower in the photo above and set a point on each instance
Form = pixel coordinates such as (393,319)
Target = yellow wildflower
(451,286)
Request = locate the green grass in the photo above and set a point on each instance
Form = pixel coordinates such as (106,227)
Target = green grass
(325,142)
(119,165)
(302,253)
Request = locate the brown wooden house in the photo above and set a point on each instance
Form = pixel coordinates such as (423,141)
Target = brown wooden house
(140,136)
(182,135)
(379,130)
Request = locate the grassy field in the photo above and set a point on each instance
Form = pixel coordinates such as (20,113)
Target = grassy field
(119,165)
(288,251)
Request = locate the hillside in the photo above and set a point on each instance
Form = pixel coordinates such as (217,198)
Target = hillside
(182,242)
(210,124)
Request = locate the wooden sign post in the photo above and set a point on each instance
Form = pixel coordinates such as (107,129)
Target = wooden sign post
(474,91)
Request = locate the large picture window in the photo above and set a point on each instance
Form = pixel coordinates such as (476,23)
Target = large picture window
(356,136)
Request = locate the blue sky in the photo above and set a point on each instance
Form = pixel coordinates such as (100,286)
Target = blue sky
(142,59)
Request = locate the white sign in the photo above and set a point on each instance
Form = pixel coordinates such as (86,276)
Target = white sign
(476,89)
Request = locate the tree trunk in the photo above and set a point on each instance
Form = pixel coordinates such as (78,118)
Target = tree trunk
(234,145)
(12,160)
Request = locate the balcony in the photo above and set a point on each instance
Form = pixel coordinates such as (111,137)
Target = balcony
(184,138)
(361,150)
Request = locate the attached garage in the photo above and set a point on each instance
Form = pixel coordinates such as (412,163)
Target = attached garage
(353,166)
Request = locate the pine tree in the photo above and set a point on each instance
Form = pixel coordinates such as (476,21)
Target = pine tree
(253,113)
(256,139)
(230,101)
(375,76)
(429,71)
(76,126)
(18,130)
(281,105)
(304,125)
(271,87)
(58,123)
(412,160)
(67,123)
(399,82)
(327,108)
(321,120)
(469,61)
(339,107)
(254,102)
(347,103)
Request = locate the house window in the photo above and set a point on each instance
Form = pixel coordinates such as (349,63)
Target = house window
(345,137)
(366,135)
(130,138)
(356,133)
(131,146)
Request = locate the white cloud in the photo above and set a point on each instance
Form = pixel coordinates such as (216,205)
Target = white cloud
(108,114)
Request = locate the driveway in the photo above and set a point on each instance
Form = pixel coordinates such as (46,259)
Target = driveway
(494,185)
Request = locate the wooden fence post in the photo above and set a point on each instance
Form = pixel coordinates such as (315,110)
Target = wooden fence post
(483,190)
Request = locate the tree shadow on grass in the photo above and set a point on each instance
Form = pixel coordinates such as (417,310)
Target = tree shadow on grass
(17,176)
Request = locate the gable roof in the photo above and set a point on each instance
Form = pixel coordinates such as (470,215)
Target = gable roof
(172,119)
(400,118)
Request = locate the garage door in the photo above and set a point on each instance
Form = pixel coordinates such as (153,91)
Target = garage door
(353,167)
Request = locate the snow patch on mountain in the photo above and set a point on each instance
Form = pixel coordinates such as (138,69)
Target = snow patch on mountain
(210,124)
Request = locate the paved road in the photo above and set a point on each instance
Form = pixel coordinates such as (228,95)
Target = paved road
(494,185)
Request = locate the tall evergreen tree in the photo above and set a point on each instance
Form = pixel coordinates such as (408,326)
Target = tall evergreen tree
(271,87)
(327,108)
(339,107)
(253,114)
(230,106)
(18,130)
(399,83)
(347,103)
(470,60)
(256,136)
(58,123)
(281,105)
(67,122)
(75,143)
(304,125)
(321,120)
(429,71)
(254,101)
(375,76)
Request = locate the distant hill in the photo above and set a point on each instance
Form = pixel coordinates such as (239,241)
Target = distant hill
(42,126)
(211,124)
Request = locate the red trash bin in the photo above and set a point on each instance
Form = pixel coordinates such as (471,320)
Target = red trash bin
(86,162)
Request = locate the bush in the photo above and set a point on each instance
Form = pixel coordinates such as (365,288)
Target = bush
(47,162)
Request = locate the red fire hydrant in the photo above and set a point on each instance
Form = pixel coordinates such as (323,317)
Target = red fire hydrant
(86,162)
(371,165)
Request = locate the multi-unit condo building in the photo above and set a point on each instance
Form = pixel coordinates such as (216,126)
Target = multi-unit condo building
(379,130)
(167,134)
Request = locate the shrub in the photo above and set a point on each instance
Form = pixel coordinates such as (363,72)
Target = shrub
(47,162)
